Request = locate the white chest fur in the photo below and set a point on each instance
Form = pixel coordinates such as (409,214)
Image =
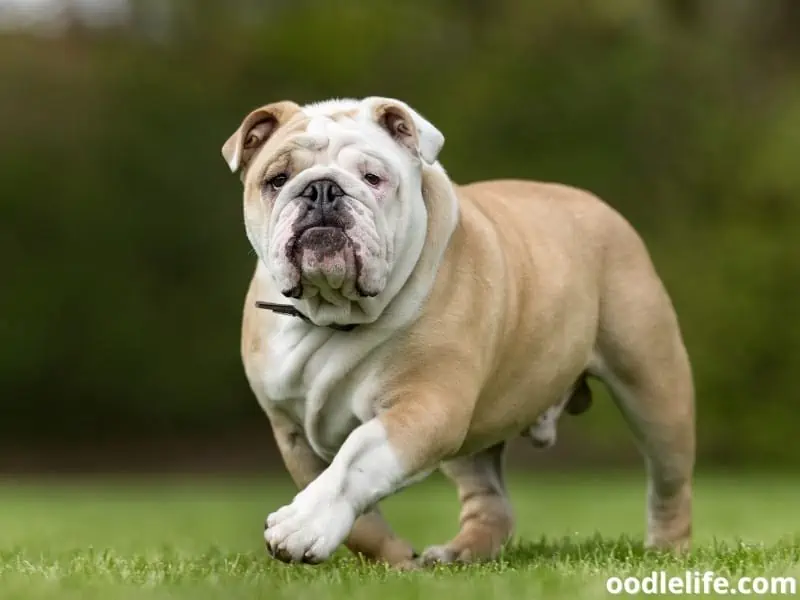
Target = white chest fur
(327,381)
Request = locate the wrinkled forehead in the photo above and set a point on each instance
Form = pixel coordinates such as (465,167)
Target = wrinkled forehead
(328,136)
(334,132)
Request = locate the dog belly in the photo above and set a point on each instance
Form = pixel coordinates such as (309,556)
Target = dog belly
(517,414)
(512,402)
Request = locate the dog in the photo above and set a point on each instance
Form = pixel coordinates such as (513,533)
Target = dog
(398,322)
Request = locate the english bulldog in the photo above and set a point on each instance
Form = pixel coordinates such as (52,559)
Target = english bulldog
(398,322)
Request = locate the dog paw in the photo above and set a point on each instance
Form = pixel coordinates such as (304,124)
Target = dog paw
(310,528)
(444,555)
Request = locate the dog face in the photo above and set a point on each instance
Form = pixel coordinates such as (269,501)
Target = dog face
(332,192)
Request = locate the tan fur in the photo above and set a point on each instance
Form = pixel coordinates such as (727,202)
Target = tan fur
(540,283)
(537,279)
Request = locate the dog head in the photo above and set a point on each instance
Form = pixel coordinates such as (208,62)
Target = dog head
(333,201)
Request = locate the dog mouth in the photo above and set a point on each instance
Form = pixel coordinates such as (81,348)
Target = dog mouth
(326,257)
(323,241)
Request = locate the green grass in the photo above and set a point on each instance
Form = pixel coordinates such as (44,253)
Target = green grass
(202,539)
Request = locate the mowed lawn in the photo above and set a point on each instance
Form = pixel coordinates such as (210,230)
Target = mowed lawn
(201,538)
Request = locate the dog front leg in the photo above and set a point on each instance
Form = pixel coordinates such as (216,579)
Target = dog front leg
(401,445)
(370,535)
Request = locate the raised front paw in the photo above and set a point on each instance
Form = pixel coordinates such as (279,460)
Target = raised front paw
(310,528)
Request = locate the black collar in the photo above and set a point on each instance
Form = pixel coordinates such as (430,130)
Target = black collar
(291,311)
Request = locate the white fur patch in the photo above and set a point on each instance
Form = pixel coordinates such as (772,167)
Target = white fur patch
(327,107)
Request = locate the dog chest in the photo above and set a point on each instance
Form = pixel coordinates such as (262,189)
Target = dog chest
(325,381)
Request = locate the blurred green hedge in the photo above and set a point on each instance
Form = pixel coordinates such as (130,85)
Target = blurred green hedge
(125,261)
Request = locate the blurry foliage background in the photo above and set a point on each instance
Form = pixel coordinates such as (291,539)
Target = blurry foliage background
(124,257)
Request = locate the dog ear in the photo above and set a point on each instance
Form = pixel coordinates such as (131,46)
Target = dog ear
(255,130)
(406,126)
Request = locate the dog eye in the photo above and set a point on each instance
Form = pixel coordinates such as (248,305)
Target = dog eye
(372,179)
(278,181)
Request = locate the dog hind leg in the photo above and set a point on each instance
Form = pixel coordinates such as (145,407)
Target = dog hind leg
(641,357)
(486,517)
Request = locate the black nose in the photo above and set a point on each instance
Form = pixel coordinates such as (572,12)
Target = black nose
(323,192)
